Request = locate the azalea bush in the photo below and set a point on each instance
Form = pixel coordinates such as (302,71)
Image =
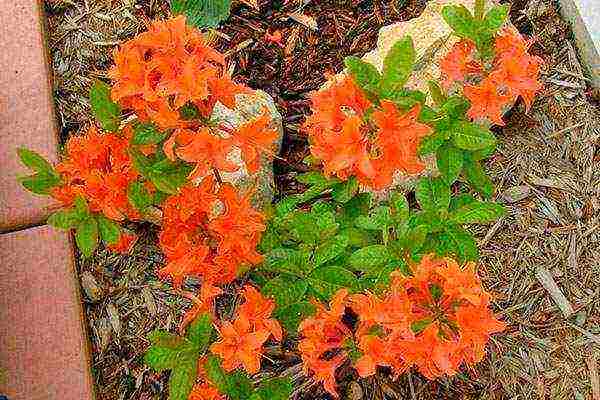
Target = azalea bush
(380,283)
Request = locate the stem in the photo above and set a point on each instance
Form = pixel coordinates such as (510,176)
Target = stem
(479,9)
(217,176)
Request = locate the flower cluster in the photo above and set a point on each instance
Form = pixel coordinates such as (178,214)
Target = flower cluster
(167,67)
(170,76)
(209,232)
(434,320)
(491,87)
(241,341)
(351,136)
(98,167)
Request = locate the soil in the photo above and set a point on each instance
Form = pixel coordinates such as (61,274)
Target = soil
(546,171)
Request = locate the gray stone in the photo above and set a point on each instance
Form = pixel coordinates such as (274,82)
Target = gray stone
(248,107)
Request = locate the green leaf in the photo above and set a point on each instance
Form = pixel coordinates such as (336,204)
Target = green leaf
(202,13)
(325,281)
(419,326)
(239,386)
(290,261)
(285,290)
(110,232)
(146,133)
(167,350)
(290,316)
(170,182)
(107,112)
(478,212)
(460,201)
(370,257)
(40,183)
(365,75)
(330,249)
(344,191)
(400,207)
(236,385)
(182,379)
(456,107)
(449,162)
(397,65)
(275,389)
(81,207)
(459,18)
(433,194)
(477,178)
(86,236)
(34,161)
(64,219)
(139,196)
(199,331)
(458,242)
(379,281)
(495,17)
(141,163)
(436,93)
(469,136)
(430,144)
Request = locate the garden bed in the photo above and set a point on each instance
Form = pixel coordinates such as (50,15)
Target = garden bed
(546,171)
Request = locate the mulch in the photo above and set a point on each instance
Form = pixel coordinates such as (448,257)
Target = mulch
(547,171)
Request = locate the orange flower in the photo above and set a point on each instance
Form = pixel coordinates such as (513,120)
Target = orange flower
(170,65)
(241,342)
(334,104)
(398,139)
(257,309)
(203,148)
(205,391)
(98,167)
(371,148)
(239,346)
(254,138)
(343,152)
(451,317)
(239,227)
(321,333)
(125,243)
(459,63)
(486,101)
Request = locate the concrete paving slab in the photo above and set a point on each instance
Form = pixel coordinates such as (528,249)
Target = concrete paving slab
(44,350)
(26,110)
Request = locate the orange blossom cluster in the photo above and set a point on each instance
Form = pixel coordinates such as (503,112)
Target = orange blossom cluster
(171,66)
(209,232)
(513,72)
(241,341)
(434,320)
(353,137)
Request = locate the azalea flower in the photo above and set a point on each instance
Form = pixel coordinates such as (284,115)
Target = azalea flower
(241,341)
(350,143)
(99,168)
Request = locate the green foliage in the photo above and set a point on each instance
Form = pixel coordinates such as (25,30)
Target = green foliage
(238,386)
(145,133)
(180,354)
(168,176)
(479,28)
(45,177)
(202,13)
(353,243)
(106,111)
(139,196)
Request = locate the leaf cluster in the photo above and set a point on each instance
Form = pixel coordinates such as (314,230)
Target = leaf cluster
(345,240)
